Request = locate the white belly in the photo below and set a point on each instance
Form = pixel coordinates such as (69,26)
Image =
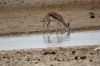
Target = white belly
(53,19)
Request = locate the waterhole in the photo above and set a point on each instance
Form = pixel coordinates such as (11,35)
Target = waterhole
(50,40)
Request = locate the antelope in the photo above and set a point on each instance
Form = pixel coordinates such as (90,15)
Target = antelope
(53,16)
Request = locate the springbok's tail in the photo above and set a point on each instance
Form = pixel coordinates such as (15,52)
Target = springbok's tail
(42,20)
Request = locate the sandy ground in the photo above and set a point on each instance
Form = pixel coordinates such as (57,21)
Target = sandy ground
(27,20)
(69,56)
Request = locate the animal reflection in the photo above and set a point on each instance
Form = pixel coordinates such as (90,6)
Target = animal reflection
(56,38)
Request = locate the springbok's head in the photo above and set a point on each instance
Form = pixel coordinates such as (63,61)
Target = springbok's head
(68,29)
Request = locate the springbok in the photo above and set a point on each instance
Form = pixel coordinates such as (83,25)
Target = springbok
(53,16)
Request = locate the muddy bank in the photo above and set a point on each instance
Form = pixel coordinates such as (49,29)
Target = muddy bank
(89,28)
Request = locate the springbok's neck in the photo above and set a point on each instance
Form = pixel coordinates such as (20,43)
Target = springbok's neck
(64,23)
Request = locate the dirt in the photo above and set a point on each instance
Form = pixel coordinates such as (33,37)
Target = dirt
(19,20)
(28,19)
(68,56)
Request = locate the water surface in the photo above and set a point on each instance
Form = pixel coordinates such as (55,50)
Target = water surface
(50,40)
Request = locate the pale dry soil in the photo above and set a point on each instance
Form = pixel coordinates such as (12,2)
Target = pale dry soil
(68,56)
(27,20)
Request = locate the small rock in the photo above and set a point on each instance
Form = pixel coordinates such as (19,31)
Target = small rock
(4,2)
(60,47)
(28,59)
(91,53)
(99,16)
(53,52)
(90,60)
(19,59)
(36,62)
(92,16)
(97,49)
(76,57)
(51,65)
(58,59)
(4,57)
(22,2)
(38,59)
(73,58)
(73,52)
(49,53)
(83,57)
(91,13)
(22,22)
(55,59)
(46,53)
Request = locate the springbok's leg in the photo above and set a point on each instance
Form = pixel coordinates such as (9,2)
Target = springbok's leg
(57,28)
(68,30)
(44,25)
(48,26)
(58,23)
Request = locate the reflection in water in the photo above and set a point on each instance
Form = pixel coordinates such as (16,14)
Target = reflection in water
(56,39)
(50,40)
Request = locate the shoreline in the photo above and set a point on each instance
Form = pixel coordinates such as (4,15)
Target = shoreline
(53,48)
(88,28)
